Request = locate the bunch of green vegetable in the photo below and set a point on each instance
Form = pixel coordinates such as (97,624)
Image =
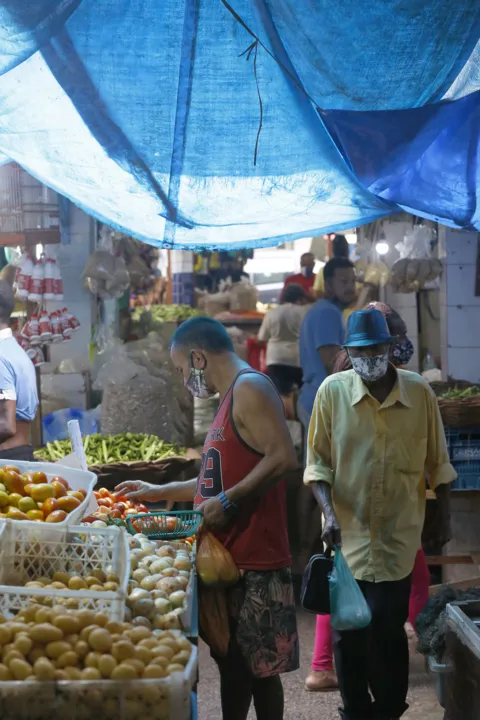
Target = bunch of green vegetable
(431,623)
(105,449)
(457,393)
(166,313)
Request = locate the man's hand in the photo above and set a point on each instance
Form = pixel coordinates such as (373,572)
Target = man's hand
(332,536)
(214,516)
(140,490)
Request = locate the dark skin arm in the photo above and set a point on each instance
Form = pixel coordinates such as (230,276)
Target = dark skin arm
(259,417)
(331,535)
(328,353)
(8,423)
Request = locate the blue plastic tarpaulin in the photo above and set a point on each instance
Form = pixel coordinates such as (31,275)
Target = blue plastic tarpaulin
(215,123)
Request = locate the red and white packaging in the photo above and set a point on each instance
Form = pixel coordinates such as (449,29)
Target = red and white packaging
(57,283)
(23,342)
(45,327)
(33,331)
(65,325)
(23,276)
(56,329)
(38,357)
(72,320)
(37,283)
(49,280)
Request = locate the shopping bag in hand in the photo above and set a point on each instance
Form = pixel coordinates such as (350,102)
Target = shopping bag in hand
(348,607)
(215,565)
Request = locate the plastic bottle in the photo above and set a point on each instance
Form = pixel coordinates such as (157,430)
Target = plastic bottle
(37,283)
(23,276)
(428,362)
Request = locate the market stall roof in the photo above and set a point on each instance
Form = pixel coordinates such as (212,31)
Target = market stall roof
(207,123)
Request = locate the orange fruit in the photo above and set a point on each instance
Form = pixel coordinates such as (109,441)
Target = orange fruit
(16,514)
(39,477)
(59,479)
(35,515)
(68,503)
(41,491)
(60,489)
(13,482)
(56,516)
(49,506)
(76,494)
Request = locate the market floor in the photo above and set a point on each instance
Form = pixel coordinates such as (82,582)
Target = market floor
(301,705)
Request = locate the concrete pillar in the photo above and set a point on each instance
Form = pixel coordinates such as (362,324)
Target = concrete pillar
(182,277)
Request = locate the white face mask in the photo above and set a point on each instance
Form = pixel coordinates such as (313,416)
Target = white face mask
(370,368)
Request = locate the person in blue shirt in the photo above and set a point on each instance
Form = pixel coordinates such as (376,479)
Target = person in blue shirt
(322,332)
(18,387)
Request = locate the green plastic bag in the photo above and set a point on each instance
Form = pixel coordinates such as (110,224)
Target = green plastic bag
(348,607)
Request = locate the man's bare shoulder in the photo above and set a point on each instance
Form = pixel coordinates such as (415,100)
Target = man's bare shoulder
(255,386)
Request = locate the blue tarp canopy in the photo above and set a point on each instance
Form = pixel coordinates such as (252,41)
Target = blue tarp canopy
(215,124)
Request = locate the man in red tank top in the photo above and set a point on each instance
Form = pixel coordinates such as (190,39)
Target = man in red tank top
(241,492)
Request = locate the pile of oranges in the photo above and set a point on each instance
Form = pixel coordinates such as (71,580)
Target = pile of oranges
(30,496)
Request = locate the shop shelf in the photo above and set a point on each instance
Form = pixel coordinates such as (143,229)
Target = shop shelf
(28,553)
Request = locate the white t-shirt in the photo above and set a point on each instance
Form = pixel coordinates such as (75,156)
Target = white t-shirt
(281,331)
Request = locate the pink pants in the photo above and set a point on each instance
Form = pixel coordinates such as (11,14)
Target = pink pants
(323,653)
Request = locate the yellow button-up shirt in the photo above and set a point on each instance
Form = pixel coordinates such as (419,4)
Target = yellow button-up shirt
(375,458)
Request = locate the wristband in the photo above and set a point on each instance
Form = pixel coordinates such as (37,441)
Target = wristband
(228,505)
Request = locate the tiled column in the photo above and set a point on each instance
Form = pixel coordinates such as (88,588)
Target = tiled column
(459,307)
(182,277)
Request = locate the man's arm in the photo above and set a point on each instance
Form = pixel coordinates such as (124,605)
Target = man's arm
(8,403)
(319,472)
(259,417)
(328,353)
(264,332)
(440,471)
(171,493)
(326,326)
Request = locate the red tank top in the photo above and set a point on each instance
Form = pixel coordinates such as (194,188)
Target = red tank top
(257,537)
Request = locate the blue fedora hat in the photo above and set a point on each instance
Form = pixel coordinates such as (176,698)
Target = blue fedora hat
(367,327)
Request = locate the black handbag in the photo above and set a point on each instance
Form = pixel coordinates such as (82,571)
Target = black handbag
(315,597)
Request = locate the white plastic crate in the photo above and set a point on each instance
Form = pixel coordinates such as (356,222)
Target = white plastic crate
(165,699)
(33,550)
(77,479)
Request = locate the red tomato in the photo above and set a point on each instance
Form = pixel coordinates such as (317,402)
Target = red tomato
(142,508)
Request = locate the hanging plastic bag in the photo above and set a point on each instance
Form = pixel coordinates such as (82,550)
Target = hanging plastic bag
(215,565)
(348,607)
(213,622)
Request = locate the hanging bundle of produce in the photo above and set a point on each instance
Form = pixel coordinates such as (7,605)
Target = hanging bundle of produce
(416,266)
(106,273)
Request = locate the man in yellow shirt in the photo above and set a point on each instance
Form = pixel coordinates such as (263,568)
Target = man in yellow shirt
(375,431)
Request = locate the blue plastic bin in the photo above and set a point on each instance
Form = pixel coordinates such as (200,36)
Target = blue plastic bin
(55,425)
(464,451)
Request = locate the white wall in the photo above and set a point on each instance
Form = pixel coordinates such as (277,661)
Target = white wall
(459,308)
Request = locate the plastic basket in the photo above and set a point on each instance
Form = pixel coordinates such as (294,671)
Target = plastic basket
(77,479)
(165,699)
(439,672)
(464,452)
(28,553)
(159,525)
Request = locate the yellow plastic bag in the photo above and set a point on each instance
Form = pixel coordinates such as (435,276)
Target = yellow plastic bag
(215,565)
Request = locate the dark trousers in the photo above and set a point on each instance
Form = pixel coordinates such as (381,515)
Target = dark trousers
(376,660)
(285,377)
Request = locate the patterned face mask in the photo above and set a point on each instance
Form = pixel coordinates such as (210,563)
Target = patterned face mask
(402,352)
(370,368)
(197,384)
